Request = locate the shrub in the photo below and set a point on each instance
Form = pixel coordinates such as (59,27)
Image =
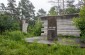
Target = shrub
(80,22)
(7,23)
(35,30)
(11,43)
(14,35)
(67,36)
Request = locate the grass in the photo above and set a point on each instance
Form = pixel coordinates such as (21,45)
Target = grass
(12,43)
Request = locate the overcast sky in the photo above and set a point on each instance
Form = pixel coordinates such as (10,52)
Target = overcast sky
(37,4)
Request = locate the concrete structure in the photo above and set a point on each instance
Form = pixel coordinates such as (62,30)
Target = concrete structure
(52,28)
(24,26)
(64,25)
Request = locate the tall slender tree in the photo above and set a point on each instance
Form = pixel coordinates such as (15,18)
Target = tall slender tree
(3,6)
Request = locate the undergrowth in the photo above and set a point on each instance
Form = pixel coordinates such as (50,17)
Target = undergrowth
(13,43)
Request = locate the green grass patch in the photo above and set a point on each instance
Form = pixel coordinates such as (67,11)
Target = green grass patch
(13,43)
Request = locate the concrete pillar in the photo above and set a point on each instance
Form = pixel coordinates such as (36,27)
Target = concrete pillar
(24,26)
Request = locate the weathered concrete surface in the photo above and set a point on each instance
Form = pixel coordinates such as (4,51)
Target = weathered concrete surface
(62,41)
(45,26)
(64,25)
(24,26)
(42,40)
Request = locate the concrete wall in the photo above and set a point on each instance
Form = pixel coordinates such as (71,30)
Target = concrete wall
(24,26)
(65,25)
(45,26)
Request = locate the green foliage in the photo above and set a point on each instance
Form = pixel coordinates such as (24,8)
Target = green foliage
(11,6)
(27,9)
(11,46)
(71,10)
(6,23)
(52,12)
(11,43)
(80,22)
(14,35)
(82,12)
(36,29)
(14,48)
(41,12)
(2,8)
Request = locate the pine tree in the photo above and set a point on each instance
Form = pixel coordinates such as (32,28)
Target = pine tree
(2,6)
(11,6)
(41,12)
(70,3)
(26,9)
(71,8)
(52,11)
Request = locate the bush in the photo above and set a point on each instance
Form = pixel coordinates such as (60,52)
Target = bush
(7,23)
(10,47)
(11,43)
(80,22)
(14,35)
(36,29)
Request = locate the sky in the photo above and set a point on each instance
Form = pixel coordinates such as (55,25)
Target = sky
(37,4)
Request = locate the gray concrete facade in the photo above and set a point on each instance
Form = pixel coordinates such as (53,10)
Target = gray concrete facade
(24,26)
(65,25)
